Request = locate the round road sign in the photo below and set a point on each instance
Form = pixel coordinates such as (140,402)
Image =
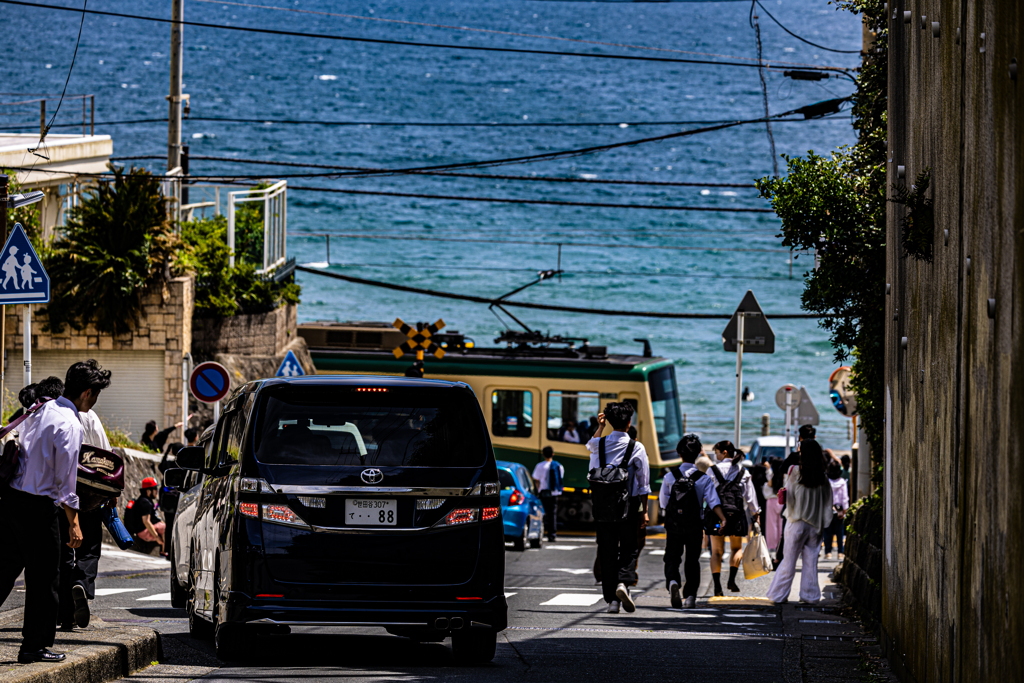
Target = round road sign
(209,382)
(780,396)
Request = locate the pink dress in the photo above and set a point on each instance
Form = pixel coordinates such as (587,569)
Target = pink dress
(773,518)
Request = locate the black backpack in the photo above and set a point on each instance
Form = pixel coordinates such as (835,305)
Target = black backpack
(683,510)
(609,486)
(730,492)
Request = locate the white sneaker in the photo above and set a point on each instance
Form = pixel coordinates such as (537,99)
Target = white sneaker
(613,607)
(690,602)
(828,556)
(706,553)
(622,593)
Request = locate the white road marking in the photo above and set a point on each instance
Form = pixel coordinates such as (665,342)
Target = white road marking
(100,592)
(163,597)
(551,588)
(509,595)
(571,571)
(563,547)
(656,552)
(572,600)
(741,623)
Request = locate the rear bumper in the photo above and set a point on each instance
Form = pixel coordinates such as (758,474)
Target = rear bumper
(477,614)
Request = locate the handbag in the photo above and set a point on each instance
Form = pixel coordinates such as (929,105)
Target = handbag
(11,453)
(116,528)
(782,496)
(756,559)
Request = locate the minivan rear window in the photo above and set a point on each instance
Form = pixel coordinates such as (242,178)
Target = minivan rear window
(340,425)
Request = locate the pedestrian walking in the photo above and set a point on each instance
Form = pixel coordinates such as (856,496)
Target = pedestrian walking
(736,493)
(42,490)
(548,475)
(808,511)
(141,519)
(773,508)
(805,433)
(840,504)
(684,492)
(620,482)
(80,566)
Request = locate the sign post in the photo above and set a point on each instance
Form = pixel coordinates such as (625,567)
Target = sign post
(23,280)
(785,398)
(748,330)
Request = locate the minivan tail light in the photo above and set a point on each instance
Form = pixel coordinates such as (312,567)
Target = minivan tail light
(489,514)
(282,514)
(249,510)
(491,488)
(429,503)
(250,484)
(460,516)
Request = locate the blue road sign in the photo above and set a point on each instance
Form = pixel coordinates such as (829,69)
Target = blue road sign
(290,367)
(23,280)
(209,382)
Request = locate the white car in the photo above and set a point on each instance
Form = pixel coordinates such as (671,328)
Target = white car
(766,447)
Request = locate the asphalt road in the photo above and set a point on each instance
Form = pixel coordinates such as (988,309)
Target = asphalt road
(557,631)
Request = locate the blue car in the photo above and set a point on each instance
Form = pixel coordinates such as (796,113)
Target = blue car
(522,513)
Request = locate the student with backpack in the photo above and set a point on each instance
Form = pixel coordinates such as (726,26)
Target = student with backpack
(684,491)
(619,484)
(736,494)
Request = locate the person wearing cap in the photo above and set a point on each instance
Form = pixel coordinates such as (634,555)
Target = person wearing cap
(141,519)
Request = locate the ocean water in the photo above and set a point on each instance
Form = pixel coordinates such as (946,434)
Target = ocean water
(631,259)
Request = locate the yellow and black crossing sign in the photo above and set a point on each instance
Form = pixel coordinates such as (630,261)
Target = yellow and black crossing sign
(420,340)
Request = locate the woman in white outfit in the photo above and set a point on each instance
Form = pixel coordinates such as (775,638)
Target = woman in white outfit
(808,511)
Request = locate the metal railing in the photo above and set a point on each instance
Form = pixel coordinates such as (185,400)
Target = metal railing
(88,110)
(275,222)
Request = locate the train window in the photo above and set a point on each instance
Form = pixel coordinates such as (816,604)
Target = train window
(668,420)
(572,415)
(512,413)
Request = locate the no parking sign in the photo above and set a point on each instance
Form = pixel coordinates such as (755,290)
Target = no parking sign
(209,382)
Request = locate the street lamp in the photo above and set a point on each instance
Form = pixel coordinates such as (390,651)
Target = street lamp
(16,201)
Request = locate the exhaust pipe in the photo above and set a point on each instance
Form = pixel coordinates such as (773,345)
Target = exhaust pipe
(441,623)
(456,623)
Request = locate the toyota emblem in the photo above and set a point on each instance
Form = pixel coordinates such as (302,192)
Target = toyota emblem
(371,476)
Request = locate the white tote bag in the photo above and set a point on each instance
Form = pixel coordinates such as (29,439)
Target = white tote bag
(756,560)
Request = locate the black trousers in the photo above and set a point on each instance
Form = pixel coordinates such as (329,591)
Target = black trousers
(618,551)
(550,514)
(79,566)
(30,538)
(676,544)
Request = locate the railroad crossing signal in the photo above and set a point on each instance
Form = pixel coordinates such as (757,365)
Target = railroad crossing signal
(420,339)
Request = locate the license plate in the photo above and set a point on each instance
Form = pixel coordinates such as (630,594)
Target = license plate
(371,512)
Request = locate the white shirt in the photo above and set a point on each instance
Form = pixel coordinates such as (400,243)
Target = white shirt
(729,472)
(840,496)
(705,487)
(50,443)
(614,448)
(95,435)
(540,473)
(571,436)
(812,506)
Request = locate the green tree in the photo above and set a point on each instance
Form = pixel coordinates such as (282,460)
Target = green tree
(117,244)
(28,216)
(836,205)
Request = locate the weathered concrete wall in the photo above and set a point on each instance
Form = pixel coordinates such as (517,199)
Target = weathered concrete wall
(263,334)
(953,605)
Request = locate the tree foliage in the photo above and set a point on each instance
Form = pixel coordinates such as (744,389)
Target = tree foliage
(117,244)
(836,205)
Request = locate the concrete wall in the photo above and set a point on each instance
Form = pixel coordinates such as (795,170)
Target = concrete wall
(953,606)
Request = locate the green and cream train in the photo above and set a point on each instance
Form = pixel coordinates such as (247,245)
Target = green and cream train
(529,391)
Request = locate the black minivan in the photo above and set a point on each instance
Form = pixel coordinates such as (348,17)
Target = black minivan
(343,501)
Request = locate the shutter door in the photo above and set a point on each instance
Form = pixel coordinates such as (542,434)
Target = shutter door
(136,392)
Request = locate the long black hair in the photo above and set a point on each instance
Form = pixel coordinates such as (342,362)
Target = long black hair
(812,464)
(778,473)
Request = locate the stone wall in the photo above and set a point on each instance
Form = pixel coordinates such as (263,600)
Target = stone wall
(262,334)
(165,324)
(953,606)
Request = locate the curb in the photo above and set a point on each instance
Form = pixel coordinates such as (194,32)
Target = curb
(112,652)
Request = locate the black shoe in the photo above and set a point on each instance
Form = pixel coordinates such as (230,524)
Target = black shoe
(719,593)
(43,655)
(677,600)
(67,626)
(81,606)
(733,587)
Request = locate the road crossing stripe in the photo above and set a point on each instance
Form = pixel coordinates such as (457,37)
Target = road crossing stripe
(100,592)
(570,571)
(752,634)
(572,600)
(165,597)
(509,595)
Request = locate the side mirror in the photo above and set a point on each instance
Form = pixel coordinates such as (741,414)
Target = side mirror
(174,478)
(190,458)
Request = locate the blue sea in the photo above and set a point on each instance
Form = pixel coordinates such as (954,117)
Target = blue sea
(633,259)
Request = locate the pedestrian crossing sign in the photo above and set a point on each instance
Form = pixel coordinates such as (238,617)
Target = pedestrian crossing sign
(290,366)
(23,280)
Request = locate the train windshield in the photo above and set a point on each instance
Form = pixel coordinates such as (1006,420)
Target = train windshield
(668,419)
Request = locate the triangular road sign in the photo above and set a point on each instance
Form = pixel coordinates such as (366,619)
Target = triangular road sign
(23,280)
(758,336)
(290,366)
(806,413)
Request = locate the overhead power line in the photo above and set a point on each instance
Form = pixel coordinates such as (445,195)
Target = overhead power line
(384,20)
(485,176)
(802,39)
(598,273)
(67,80)
(406,43)
(541,307)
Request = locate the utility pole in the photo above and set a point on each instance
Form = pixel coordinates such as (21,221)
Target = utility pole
(174,99)
(3,309)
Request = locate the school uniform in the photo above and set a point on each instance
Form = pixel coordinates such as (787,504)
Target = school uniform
(688,541)
(550,488)
(617,541)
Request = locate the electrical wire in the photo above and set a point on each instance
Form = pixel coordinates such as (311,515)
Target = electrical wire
(484,30)
(804,40)
(406,43)
(486,176)
(74,55)
(541,307)
(764,90)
